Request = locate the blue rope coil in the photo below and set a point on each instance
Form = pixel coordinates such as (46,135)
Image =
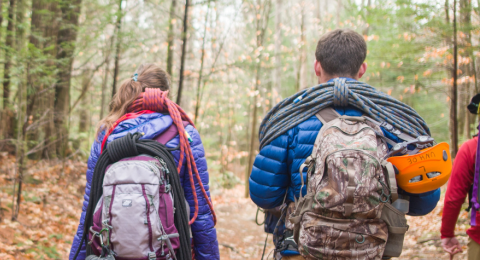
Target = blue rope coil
(340,93)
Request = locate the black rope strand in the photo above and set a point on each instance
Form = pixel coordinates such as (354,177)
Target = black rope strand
(180,218)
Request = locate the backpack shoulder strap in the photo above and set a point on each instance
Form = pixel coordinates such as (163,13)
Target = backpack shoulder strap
(170,133)
(327,114)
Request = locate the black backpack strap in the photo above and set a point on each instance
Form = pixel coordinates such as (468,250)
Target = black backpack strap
(470,195)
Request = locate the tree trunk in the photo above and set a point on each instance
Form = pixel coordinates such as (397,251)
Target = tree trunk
(171,37)
(367,13)
(33,84)
(67,36)
(1,107)
(467,70)
(117,47)
(184,52)
(83,123)
(20,42)
(34,39)
(83,113)
(453,98)
(202,59)
(21,146)
(22,106)
(325,7)
(447,11)
(339,11)
(261,25)
(9,45)
(6,126)
(277,70)
(1,19)
(47,99)
(107,68)
(318,10)
(301,62)
(104,85)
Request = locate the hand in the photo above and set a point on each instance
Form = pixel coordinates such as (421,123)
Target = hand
(451,246)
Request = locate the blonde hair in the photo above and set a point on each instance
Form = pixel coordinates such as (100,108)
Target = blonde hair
(149,76)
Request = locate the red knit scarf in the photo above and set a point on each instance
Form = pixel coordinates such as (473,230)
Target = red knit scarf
(154,99)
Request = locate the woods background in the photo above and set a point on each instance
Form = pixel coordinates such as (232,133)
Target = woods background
(61,62)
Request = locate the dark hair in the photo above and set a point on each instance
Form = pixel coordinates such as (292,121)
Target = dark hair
(149,76)
(341,52)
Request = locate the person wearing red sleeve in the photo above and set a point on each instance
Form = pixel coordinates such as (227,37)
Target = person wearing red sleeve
(458,187)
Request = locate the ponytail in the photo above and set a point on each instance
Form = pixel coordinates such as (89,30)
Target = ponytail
(146,76)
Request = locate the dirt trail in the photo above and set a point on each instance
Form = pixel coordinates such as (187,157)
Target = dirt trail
(238,234)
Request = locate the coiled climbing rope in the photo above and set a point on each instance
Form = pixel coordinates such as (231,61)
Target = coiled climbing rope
(340,93)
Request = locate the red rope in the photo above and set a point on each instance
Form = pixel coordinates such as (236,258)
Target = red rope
(153,99)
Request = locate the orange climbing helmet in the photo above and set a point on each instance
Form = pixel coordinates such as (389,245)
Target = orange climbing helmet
(424,171)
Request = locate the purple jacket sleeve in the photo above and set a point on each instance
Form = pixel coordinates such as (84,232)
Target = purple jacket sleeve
(203,230)
(92,161)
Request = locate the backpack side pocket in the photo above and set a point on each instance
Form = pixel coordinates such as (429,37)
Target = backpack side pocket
(397,226)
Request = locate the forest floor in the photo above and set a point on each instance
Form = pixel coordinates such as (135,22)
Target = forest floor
(53,195)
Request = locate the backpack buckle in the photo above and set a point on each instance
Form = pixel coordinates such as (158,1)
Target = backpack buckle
(388,127)
(166,239)
(152,256)
(308,160)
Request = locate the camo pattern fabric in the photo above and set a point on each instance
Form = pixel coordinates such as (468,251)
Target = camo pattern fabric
(290,209)
(348,186)
(339,239)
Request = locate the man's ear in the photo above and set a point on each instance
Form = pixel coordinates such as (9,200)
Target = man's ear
(362,70)
(318,68)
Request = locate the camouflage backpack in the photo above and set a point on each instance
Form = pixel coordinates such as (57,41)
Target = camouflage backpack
(346,213)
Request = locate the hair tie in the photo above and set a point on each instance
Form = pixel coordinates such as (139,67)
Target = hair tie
(135,77)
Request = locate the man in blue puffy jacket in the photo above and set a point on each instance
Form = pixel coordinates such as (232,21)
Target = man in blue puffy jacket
(275,176)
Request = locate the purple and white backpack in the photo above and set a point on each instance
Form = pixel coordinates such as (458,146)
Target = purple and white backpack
(137,202)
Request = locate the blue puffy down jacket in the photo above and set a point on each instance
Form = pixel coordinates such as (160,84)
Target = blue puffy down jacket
(275,172)
(203,231)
